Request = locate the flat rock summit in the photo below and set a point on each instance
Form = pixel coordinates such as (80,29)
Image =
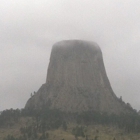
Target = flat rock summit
(76,81)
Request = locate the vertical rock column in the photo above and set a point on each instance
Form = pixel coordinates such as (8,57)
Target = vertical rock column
(76,80)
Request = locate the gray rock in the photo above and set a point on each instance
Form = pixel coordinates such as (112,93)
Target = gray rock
(76,81)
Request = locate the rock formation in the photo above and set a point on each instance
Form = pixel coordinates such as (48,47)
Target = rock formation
(76,81)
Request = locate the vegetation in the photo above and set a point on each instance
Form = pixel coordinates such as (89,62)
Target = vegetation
(42,122)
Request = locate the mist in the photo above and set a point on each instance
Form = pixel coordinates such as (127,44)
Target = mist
(29,29)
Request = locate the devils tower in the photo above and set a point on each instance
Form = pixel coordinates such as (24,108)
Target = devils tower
(76,81)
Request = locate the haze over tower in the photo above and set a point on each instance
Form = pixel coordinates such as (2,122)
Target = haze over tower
(76,81)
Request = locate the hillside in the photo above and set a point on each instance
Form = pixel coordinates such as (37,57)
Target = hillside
(76,102)
(93,132)
(58,125)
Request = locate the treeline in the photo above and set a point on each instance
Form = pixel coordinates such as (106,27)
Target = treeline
(128,122)
(9,117)
(41,121)
(46,119)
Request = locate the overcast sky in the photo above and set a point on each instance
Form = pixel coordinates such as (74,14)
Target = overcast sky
(29,28)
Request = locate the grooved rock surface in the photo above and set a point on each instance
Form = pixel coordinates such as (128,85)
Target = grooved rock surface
(76,81)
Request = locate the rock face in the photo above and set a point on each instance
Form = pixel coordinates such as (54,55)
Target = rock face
(76,81)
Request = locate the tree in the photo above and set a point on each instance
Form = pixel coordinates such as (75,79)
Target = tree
(96,138)
(64,126)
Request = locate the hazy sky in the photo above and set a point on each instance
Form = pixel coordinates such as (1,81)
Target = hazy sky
(29,28)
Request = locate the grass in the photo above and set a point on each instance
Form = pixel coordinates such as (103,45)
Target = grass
(93,132)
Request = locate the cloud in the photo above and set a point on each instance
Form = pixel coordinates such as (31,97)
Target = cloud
(28,29)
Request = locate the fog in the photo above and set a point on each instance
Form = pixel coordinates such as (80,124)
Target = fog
(28,29)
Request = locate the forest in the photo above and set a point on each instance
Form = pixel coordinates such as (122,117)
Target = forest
(42,121)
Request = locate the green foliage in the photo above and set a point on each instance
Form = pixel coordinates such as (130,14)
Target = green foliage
(46,119)
(10,137)
(96,138)
(64,126)
(9,117)
(78,131)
